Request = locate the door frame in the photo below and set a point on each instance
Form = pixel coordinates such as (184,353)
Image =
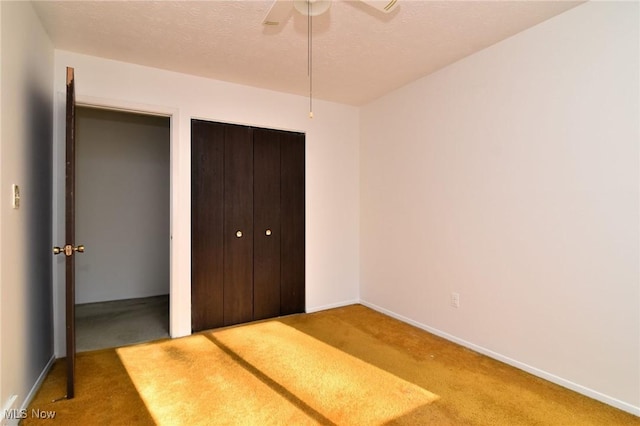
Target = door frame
(176,302)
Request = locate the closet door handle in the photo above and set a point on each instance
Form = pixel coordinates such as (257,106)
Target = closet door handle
(267,232)
(239,234)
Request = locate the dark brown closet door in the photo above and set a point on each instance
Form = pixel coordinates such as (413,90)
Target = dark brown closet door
(207,197)
(292,160)
(248,220)
(266,220)
(238,225)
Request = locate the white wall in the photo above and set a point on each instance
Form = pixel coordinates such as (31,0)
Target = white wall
(512,178)
(122,205)
(332,168)
(25,234)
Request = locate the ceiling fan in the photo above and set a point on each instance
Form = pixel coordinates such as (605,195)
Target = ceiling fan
(281,9)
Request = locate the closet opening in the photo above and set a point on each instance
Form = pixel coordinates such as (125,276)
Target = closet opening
(123,188)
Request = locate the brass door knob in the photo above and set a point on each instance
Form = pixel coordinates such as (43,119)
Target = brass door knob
(239,234)
(267,232)
(68,250)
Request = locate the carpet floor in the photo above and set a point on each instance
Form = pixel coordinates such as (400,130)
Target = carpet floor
(347,366)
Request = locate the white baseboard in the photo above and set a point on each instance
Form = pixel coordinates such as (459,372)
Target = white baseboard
(514,363)
(332,306)
(38,383)
(11,403)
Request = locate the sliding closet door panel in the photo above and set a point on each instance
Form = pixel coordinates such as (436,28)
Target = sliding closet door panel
(238,225)
(266,220)
(292,156)
(207,171)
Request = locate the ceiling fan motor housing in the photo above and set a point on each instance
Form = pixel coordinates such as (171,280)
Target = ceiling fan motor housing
(312,7)
(281,9)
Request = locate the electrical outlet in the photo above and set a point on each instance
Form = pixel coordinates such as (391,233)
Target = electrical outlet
(10,414)
(455,300)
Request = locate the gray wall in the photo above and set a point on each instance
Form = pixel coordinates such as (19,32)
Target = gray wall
(26,123)
(123,189)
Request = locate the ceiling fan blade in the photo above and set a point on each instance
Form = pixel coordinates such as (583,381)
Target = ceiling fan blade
(385,6)
(279,12)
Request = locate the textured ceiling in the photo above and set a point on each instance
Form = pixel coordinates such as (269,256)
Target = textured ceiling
(359,53)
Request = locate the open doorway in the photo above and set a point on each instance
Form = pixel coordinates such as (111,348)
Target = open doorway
(123,218)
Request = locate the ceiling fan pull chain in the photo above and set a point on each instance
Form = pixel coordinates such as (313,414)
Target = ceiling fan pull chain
(310,56)
(308,38)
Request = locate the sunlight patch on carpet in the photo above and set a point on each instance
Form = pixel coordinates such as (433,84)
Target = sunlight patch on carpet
(191,381)
(264,373)
(343,388)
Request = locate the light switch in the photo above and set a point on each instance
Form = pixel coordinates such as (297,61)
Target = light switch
(16,196)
